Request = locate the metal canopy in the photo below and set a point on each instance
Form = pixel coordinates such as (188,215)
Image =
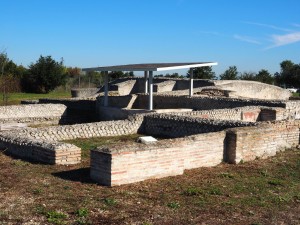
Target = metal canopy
(151,66)
(148,69)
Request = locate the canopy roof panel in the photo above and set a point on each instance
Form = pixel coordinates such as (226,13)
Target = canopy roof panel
(151,66)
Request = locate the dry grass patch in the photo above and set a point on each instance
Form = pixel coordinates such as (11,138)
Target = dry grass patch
(259,192)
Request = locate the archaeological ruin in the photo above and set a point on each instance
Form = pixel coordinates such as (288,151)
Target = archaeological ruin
(199,123)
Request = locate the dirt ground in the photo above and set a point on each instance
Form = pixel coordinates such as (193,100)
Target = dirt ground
(264,191)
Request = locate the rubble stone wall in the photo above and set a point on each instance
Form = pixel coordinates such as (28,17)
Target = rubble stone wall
(161,101)
(32,114)
(180,126)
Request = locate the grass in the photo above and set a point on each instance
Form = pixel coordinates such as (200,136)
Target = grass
(264,191)
(90,143)
(16,98)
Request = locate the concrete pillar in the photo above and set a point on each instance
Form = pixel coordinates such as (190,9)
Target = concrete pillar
(146,81)
(106,88)
(150,90)
(191,82)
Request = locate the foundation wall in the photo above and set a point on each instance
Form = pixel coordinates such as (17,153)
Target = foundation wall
(245,144)
(33,114)
(204,103)
(179,126)
(137,162)
(41,151)
(87,130)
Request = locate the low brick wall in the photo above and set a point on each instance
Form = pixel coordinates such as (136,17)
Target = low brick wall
(180,126)
(136,162)
(130,163)
(33,114)
(264,140)
(49,152)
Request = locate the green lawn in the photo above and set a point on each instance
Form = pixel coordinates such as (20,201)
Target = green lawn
(15,98)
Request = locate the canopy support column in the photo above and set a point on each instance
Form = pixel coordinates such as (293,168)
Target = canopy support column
(150,90)
(105,88)
(146,81)
(191,91)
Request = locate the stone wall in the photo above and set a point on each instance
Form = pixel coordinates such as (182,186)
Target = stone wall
(245,144)
(78,110)
(179,126)
(125,101)
(247,113)
(86,130)
(50,152)
(136,162)
(41,144)
(168,85)
(33,114)
(83,92)
(124,87)
(161,101)
(252,89)
(139,85)
(237,114)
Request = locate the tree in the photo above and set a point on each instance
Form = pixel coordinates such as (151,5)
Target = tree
(129,74)
(230,74)
(248,76)
(205,72)
(3,60)
(289,74)
(115,74)
(265,77)
(73,71)
(45,75)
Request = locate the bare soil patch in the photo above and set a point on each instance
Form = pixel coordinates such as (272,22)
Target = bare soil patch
(264,191)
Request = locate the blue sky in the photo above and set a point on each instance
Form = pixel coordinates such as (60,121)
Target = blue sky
(253,35)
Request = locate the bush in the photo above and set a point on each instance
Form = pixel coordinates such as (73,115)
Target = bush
(44,76)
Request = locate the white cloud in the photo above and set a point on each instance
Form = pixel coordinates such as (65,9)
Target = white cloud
(269,26)
(246,39)
(281,40)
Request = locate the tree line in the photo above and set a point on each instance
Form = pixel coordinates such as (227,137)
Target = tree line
(46,74)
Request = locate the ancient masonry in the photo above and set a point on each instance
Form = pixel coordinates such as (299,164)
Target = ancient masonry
(198,131)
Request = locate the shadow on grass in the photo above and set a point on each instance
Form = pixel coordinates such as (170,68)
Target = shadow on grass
(78,175)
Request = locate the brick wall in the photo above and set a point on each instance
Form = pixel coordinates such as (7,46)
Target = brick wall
(136,162)
(248,143)
(130,163)
(49,152)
